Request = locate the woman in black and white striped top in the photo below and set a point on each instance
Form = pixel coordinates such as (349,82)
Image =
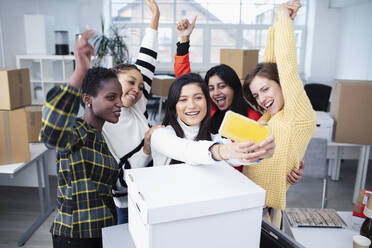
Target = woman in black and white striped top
(128,140)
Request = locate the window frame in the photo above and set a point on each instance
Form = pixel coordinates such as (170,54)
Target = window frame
(206,46)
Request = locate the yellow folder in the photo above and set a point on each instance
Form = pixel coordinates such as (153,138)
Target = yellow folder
(242,129)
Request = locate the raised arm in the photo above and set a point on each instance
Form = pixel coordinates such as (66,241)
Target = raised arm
(148,52)
(154,8)
(62,103)
(181,59)
(269,56)
(295,98)
(165,141)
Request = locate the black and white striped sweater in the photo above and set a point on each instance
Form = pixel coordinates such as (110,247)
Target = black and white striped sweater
(125,139)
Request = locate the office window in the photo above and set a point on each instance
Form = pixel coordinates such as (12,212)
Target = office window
(220,24)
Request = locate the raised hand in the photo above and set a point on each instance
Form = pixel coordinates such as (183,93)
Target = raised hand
(185,28)
(282,11)
(83,52)
(293,6)
(154,8)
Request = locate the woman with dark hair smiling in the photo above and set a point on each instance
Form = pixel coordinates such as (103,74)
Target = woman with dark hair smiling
(187,137)
(86,169)
(129,139)
(225,90)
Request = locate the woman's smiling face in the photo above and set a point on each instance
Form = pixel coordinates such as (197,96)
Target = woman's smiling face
(220,92)
(191,107)
(268,94)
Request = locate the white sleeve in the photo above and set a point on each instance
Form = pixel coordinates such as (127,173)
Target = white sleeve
(166,142)
(139,159)
(146,62)
(233,162)
(147,55)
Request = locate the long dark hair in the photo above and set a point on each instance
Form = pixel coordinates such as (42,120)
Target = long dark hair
(173,97)
(266,70)
(238,105)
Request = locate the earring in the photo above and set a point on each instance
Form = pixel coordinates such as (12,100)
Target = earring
(89,105)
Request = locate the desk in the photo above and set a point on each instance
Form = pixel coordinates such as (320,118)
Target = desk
(38,152)
(114,235)
(312,237)
(335,163)
(308,237)
(335,152)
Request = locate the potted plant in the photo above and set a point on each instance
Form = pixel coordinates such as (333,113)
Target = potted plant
(110,45)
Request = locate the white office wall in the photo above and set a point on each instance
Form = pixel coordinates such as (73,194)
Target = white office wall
(339,42)
(70,15)
(355,52)
(2,58)
(323,39)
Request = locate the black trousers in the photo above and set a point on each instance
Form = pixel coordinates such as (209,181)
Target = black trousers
(63,242)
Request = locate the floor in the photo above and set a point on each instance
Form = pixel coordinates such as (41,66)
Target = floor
(19,206)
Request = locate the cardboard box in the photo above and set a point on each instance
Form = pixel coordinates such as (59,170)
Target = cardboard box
(33,114)
(324,125)
(14,147)
(14,88)
(242,61)
(160,85)
(351,104)
(187,206)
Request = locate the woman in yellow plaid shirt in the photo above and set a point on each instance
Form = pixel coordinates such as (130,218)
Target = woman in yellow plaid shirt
(86,170)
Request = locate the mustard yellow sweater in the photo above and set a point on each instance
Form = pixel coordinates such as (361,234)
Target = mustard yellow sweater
(293,126)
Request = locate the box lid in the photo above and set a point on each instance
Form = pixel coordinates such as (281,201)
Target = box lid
(324,119)
(176,192)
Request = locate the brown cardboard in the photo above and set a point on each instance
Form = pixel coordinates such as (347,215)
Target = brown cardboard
(351,104)
(161,84)
(14,88)
(14,147)
(242,61)
(361,202)
(33,114)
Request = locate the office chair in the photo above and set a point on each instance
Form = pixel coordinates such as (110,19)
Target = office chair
(316,163)
(319,95)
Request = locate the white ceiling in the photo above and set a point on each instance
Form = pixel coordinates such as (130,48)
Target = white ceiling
(345,3)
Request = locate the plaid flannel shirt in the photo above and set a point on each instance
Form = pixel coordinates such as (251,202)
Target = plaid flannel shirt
(86,169)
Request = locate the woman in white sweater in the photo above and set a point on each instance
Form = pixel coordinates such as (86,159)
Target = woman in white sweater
(128,140)
(187,136)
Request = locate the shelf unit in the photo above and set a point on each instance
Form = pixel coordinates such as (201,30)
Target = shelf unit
(46,71)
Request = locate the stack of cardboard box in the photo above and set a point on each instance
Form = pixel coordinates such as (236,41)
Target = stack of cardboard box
(19,122)
(242,61)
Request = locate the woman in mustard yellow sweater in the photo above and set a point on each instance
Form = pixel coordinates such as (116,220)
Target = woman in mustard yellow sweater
(275,88)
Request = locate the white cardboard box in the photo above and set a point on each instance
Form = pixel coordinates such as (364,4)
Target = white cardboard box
(324,125)
(187,206)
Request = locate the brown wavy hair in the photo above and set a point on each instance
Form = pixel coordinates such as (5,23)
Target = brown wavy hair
(266,70)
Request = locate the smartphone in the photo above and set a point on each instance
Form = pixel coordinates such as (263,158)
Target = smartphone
(242,129)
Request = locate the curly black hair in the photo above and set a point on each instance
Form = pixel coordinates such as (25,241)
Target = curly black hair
(93,79)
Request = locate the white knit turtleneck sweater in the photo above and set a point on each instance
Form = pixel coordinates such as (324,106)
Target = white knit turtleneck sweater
(166,145)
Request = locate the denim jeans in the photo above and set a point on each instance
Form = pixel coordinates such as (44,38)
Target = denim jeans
(122,215)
